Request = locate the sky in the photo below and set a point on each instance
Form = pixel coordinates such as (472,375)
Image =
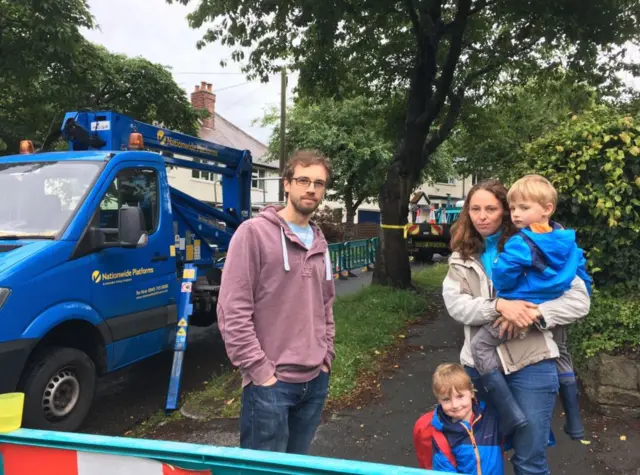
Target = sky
(160,33)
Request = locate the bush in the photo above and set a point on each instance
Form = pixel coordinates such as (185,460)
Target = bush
(593,162)
(329,220)
(612,327)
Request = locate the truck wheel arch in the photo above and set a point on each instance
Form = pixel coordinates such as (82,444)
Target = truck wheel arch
(79,334)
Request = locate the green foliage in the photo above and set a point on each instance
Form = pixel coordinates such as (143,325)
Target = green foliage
(442,55)
(330,221)
(48,68)
(612,327)
(593,160)
(351,133)
(492,137)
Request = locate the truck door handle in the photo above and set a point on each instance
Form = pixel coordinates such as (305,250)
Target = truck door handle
(159,258)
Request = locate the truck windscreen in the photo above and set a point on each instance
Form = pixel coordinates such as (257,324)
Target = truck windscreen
(38,198)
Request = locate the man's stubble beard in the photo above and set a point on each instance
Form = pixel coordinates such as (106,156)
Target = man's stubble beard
(297,205)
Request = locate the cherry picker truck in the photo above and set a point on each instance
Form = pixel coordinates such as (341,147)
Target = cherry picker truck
(93,246)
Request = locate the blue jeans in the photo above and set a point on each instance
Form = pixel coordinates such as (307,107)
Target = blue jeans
(283,417)
(535,388)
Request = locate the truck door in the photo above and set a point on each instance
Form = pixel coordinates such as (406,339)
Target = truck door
(133,288)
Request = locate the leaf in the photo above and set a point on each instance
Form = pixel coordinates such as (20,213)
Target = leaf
(625,138)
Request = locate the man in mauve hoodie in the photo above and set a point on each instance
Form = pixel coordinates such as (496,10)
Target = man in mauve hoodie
(275,313)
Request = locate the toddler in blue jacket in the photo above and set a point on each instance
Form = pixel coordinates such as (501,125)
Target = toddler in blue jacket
(537,264)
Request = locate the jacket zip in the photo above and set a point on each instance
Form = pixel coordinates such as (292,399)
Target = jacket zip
(474,444)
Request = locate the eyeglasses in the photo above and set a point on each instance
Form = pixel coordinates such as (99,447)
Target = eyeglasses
(304,182)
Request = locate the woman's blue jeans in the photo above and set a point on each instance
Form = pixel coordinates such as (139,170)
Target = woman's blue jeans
(535,388)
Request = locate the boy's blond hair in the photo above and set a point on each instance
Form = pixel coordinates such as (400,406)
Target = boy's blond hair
(450,376)
(534,188)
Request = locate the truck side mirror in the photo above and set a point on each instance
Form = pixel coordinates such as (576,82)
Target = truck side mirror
(131,227)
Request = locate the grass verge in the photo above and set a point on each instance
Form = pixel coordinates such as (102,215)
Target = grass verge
(367,323)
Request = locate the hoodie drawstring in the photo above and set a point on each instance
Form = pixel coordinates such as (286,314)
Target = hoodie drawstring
(285,257)
(285,254)
(327,262)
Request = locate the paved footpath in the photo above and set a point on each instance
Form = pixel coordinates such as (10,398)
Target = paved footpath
(381,432)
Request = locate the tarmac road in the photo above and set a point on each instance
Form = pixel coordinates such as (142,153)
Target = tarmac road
(129,396)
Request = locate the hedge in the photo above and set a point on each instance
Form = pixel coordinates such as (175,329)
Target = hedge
(593,162)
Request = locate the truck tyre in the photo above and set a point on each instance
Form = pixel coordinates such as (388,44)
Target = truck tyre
(425,256)
(59,386)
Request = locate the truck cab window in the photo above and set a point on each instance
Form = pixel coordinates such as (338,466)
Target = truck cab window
(40,197)
(133,187)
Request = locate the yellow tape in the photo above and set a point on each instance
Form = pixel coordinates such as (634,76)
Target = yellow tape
(405,228)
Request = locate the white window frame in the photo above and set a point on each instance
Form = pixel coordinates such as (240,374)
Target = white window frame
(202,175)
(257,179)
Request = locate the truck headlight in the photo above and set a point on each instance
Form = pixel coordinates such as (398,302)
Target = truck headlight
(4,293)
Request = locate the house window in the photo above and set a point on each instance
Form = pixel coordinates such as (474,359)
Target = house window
(451,181)
(258,178)
(202,175)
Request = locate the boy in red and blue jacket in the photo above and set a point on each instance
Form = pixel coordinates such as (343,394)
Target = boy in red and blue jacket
(461,435)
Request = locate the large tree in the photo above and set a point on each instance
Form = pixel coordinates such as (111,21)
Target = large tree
(443,53)
(352,133)
(47,68)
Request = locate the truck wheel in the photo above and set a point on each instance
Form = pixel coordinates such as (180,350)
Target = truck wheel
(425,256)
(59,386)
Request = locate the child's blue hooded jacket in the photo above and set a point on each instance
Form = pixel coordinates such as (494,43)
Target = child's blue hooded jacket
(539,266)
(477,447)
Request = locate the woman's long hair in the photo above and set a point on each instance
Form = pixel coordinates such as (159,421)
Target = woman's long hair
(465,239)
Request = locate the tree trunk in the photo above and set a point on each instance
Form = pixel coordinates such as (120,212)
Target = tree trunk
(349,227)
(392,266)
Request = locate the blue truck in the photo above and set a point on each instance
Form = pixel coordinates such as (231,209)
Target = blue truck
(93,242)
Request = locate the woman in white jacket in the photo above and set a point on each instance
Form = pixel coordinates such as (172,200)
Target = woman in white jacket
(529,362)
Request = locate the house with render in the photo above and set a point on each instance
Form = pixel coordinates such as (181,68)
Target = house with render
(208,186)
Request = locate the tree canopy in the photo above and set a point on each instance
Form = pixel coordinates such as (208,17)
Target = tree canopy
(351,133)
(48,68)
(593,159)
(490,140)
(443,54)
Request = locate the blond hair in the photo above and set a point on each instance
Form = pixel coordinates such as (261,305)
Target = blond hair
(450,376)
(534,188)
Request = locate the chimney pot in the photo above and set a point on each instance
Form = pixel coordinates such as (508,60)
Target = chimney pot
(204,98)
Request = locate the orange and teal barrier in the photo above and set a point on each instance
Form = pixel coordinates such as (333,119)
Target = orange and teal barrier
(36,452)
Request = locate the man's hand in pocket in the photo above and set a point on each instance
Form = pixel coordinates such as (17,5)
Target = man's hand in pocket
(270,382)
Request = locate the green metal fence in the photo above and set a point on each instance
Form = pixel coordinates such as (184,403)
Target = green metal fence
(351,255)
